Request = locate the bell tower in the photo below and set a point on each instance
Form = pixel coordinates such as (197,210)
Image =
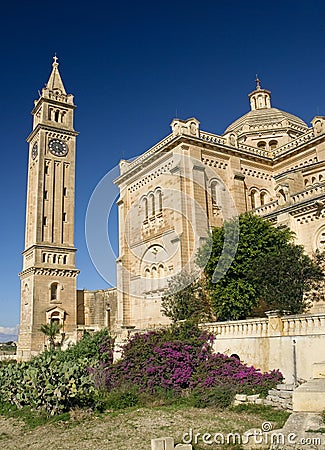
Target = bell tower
(48,278)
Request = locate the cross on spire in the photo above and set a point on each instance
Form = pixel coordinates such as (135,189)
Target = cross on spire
(258,82)
(55,60)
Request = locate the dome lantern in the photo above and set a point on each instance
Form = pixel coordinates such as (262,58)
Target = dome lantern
(260,98)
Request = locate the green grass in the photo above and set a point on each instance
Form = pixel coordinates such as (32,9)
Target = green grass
(3,436)
(32,419)
(265,413)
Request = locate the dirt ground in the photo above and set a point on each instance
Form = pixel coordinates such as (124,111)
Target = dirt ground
(126,430)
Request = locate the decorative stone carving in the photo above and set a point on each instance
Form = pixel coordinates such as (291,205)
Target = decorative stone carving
(189,127)
(318,124)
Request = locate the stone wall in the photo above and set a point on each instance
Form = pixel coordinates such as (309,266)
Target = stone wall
(291,344)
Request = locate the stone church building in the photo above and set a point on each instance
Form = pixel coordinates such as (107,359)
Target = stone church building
(268,161)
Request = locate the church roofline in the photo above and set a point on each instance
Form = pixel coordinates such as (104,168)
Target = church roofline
(306,139)
(184,138)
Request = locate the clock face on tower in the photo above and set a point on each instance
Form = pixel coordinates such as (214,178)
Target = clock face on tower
(34,150)
(57,147)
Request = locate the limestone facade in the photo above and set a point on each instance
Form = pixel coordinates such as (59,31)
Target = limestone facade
(268,161)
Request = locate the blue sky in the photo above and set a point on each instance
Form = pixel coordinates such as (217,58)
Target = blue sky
(134,66)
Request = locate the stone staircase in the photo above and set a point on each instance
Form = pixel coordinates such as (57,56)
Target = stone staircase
(310,396)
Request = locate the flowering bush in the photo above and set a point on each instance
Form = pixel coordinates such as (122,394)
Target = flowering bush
(180,359)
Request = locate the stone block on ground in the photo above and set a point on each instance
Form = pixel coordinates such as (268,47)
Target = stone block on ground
(285,387)
(252,398)
(285,394)
(241,397)
(165,443)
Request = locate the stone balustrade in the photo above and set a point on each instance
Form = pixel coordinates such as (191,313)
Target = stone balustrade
(302,325)
(294,143)
(287,325)
(267,208)
(8,357)
(255,151)
(291,344)
(313,191)
(244,328)
(210,137)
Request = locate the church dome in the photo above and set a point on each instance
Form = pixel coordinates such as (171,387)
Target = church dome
(264,119)
(264,122)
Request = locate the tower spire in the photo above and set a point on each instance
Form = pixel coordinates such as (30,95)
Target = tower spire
(55,82)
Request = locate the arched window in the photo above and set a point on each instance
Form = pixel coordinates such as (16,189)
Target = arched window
(261,145)
(152,204)
(55,317)
(56,116)
(161,277)
(253,197)
(147,280)
(282,196)
(154,273)
(54,291)
(64,259)
(263,196)
(216,188)
(145,205)
(159,196)
(273,144)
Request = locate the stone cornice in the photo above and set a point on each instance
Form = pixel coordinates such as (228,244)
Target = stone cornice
(148,158)
(53,102)
(302,169)
(298,207)
(51,247)
(45,271)
(41,126)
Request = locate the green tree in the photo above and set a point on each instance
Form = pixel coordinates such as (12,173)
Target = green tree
(285,278)
(51,330)
(186,298)
(252,275)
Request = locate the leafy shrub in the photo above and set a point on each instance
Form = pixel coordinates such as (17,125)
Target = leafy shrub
(56,381)
(96,348)
(120,399)
(217,396)
(47,382)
